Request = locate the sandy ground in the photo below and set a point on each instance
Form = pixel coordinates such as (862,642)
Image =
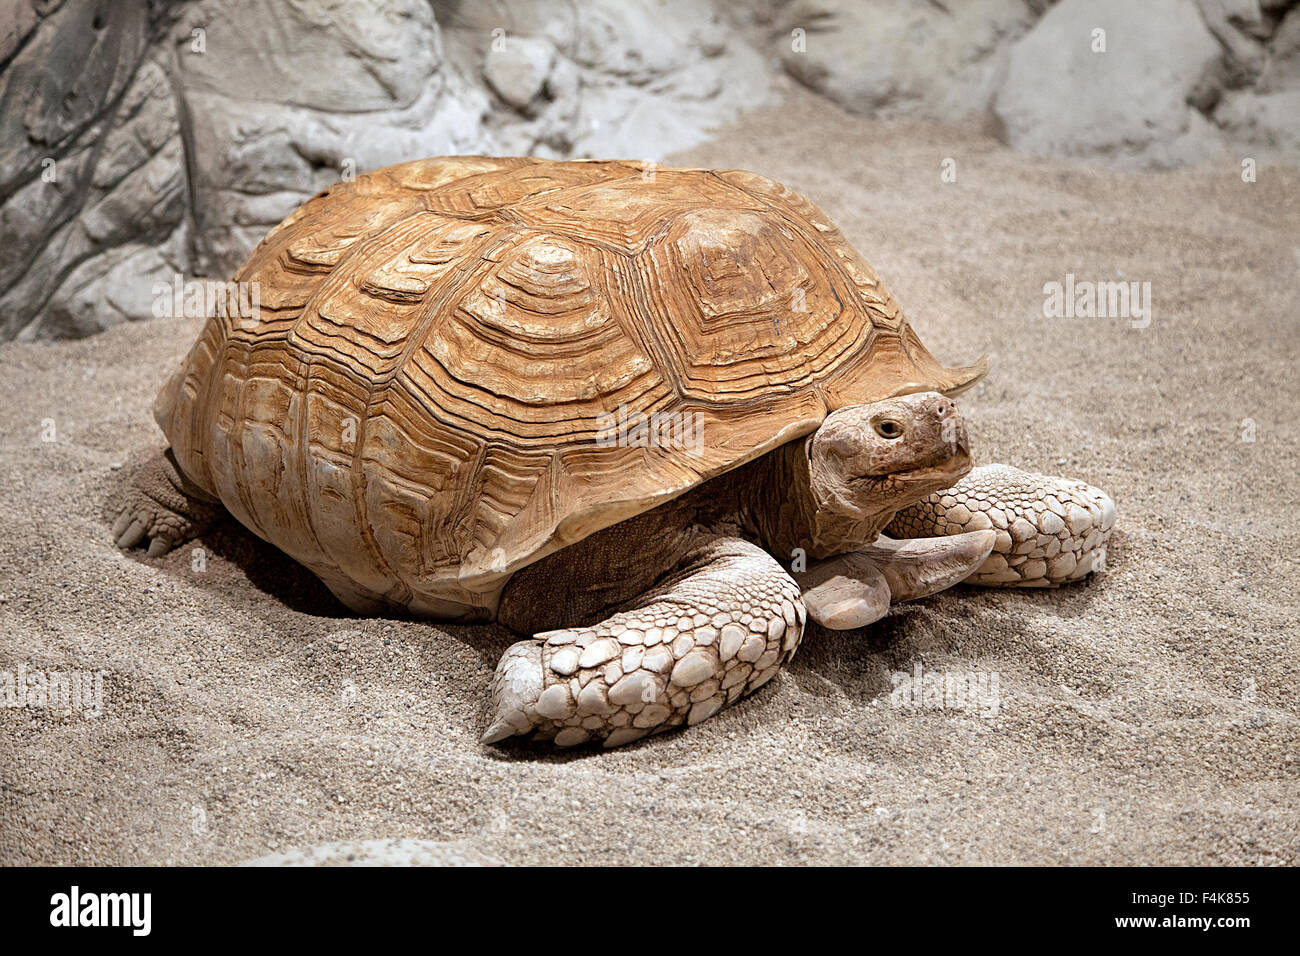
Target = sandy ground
(1149,716)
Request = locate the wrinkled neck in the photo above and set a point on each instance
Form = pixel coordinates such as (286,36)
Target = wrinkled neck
(791,508)
(776,503)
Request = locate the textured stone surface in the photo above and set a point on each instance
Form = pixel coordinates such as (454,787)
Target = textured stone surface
(179,134)
(1264,113)
(1181,81)
(1064,94)
(888,56)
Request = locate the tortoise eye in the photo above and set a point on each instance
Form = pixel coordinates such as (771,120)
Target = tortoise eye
(887,428)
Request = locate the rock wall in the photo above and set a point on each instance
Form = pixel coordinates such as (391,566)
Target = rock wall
(1143,83)
(141,139)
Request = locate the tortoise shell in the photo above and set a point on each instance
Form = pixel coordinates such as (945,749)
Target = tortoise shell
(444,379)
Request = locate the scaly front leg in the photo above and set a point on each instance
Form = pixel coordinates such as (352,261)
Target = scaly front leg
(1049,530)
(715,630)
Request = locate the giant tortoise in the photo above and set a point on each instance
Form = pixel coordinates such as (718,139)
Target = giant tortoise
(650,418)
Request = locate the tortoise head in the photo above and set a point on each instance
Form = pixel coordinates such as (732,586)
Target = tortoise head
(866,462)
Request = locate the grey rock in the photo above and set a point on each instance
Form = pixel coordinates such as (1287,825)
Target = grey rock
(347,56)
(1129,103)
(1241,27)
(1282,65)
(517,69)
(1263,123)
(18,18)
(192,128)
(72,67)
(882,57)
(123,284)
(121,181)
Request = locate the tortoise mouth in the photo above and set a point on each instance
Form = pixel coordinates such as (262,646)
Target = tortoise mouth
(920,481)
(940,474)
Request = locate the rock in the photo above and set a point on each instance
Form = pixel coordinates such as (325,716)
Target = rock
(1129,102)
(346,56)
(120,184)
(19,19)
(1283,69)
(518,69)
(75,63)
(1240,26)
(117,286)
(279,101)
(881,57)
(1263,118)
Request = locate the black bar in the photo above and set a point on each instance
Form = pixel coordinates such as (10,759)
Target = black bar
(491,907)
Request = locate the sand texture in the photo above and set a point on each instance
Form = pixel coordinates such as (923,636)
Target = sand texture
(1150,715)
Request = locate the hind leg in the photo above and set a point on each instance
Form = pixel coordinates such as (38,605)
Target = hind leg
(163,507)
(1049,530)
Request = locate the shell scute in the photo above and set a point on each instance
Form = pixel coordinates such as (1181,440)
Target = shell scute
(746,304)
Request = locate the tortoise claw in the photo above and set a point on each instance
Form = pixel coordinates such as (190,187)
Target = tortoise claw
(844,592)
(918,567)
